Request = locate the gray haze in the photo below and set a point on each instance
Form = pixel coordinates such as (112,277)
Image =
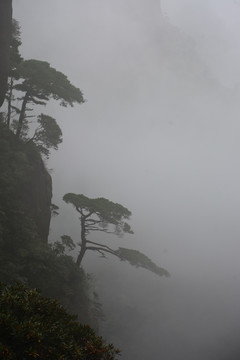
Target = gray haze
(159,133)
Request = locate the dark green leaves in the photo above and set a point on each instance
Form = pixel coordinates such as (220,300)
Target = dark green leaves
(34,327)
(138,259)
(107,211)
(42,81)
(96,215)
(15,57)
(48,134)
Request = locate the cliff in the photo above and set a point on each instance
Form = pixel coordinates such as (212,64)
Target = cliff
(25,184)
(5,37)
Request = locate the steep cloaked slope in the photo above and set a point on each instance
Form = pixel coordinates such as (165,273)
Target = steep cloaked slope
(25,184)
(25,255)
(5,36)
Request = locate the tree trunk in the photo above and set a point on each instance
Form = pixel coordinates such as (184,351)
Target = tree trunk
(10,103)
(84,243)
(80,256)
(22,115)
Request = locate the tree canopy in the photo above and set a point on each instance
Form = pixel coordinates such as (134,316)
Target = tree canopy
(40,83)
(35,327)
(15,57)
(15,60)
(107,212)
(106,216)
(47,135)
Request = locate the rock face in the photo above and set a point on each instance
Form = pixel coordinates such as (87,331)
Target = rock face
(5,36)
(25,185)
(38,196)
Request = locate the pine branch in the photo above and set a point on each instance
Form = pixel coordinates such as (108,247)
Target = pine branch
(100,249)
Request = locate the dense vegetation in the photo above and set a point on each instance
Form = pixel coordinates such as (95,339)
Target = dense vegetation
(32,327)
(23,254)
(25,257)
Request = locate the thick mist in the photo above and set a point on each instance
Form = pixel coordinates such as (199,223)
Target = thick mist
(159,133)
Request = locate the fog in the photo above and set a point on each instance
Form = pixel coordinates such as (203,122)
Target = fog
(159,133)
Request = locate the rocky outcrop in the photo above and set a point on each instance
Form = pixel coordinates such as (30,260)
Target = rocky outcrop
(25,186)
(5,37)
(39,195)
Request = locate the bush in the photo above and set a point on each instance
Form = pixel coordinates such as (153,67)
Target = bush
(34,327)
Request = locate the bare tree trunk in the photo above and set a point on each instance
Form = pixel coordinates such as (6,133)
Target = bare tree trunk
(84,242)
(22,115)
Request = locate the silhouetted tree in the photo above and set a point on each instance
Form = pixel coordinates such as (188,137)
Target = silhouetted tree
(40,83)
(47,135)
(15,60)
(103,215)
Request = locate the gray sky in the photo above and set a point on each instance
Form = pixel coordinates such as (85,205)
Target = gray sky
(159,132)
(214,25)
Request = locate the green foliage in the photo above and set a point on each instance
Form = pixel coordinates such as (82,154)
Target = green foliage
(32,327)
(42,82)
(23,255)
(138,259)
(15,60)
(97,215)
(24,258)
(61,247)
(107,212)
(47,135)
(39,83)
(67,241)
(15,57)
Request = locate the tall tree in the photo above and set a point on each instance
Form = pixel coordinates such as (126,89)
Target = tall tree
(40,83)
(47,135)
(103,215)
(15,60)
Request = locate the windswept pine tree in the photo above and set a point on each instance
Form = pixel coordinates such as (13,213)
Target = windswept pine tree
(103,215)
(40,83)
